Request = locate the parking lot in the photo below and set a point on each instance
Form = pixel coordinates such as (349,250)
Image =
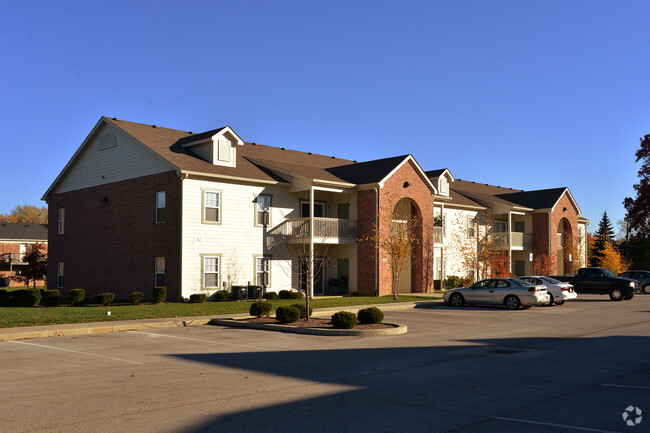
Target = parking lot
(575,367)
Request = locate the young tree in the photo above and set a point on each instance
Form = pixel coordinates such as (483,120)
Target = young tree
(542,264)
(612,259)
(36,268)
(26,214)
(638,208)
(604,234)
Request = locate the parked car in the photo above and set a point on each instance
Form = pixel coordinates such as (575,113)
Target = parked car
(558,291)
(601,281)
(642,278)
(511,292)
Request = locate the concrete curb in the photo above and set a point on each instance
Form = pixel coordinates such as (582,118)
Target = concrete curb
(396,329)
(30,332)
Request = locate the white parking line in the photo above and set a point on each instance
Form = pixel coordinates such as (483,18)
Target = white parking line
(624,386)
(201,341)
(571,427)
(74,351)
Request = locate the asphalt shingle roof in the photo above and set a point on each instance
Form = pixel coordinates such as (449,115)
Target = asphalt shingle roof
(20,231)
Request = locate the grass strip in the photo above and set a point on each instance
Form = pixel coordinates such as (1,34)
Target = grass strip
(34,316)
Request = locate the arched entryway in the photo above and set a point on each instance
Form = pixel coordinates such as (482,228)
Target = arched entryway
(406,228)
(564,245)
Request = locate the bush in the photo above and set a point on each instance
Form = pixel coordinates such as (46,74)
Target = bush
(271,295)
(220,297)
(4,298)
(104,298)
(52,298)
(344,320)
(289,294)
(77,296)
(287,314)
(198,298)
(452,282)
(261,309)
(303,310)
(370,315)
(136,297)
(159,295)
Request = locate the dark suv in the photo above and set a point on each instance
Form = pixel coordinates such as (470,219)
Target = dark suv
(643,277)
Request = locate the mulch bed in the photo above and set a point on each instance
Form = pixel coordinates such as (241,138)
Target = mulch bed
(314,323)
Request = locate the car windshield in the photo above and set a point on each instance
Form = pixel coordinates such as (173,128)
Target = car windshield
(551,280)
(609,273)
(519,282)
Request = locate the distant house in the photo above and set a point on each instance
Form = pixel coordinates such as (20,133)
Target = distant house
(16,240)
(140,206)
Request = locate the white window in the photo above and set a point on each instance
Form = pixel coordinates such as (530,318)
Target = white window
(471,269)
(161,207)
(319,209)
(471,229)
(444,225)
(500,227)
(263,210)
(212,207)
(210,272)
(160,272)
(262,271)
(60,220)
(59,275)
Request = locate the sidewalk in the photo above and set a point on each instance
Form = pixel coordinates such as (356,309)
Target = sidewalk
(28,332)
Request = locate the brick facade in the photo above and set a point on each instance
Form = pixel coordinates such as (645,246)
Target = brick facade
(111,237)
(394,190)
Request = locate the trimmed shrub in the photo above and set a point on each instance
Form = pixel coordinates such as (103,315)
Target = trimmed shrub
(344,320)
(370,315)
(289,294)
(159,295)
(261,309)
(287,314)
(198,298)
(77,296)
(52,298)
(303,310)
(136,297)
(104,298)
(25,298)
(220,296)
(452,282)
(4,298)
(271,295)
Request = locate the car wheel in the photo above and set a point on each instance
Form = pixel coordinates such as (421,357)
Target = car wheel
(552,300)
(646,289)
(616,295)
(512,302)
(630,296)
(456,300)
(560,302)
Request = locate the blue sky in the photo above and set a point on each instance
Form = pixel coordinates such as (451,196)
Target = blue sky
(523,94)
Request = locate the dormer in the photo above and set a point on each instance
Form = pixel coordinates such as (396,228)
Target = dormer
(441,179)
(218,147)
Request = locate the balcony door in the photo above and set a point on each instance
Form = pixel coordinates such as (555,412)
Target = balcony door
(319,209)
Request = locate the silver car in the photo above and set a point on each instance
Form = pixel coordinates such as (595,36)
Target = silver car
(511,292)
(558,291)
(643,277)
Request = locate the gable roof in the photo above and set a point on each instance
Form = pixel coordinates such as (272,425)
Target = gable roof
(20,231)
(540,199)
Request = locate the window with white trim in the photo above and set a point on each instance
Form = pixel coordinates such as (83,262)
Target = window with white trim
(210,272)
(160,272)
(161,207)
(262,271)
(471,229)
(60,220)
(263,210)
(212,206)
(59,275)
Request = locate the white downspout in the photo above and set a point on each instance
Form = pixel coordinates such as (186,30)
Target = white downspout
(310,271)
(510,240)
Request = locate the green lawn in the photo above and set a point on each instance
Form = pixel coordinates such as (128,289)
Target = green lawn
(32,316)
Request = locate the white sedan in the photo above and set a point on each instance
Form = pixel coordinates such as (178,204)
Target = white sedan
(511,292)
(558,291)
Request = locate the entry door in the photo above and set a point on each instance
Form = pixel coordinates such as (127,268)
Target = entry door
(343,270)
(520,267)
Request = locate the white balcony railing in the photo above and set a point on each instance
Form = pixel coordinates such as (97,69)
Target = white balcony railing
(328,230)
(517,240)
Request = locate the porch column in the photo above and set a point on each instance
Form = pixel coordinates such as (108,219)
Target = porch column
(510,241)
(310,271)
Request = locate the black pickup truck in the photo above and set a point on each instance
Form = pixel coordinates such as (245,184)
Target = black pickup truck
(601,281)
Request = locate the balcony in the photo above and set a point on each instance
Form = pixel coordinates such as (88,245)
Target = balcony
(326,230)
(516,240)
(13,258)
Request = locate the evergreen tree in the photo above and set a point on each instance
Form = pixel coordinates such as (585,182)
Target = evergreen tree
(638,209)
(604,235)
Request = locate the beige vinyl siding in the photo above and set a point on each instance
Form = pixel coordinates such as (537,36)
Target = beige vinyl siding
(236,239)
(127,160)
